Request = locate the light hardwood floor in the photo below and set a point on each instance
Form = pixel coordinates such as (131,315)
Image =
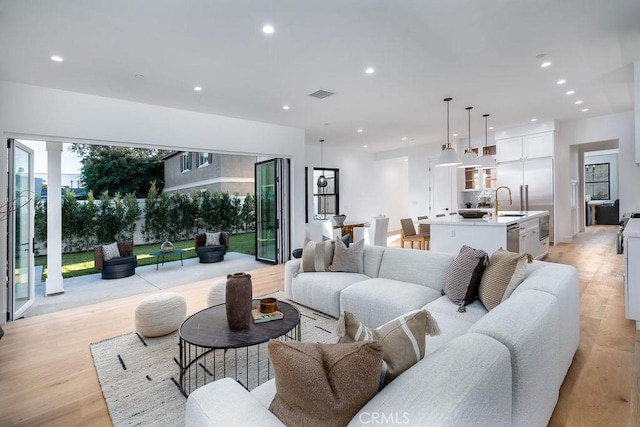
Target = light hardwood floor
(47,375)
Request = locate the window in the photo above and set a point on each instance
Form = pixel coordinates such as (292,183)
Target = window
(185,162)
(204,159)
(325,199)
(596,181)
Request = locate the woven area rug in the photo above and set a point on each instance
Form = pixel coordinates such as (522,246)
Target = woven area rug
(139,376)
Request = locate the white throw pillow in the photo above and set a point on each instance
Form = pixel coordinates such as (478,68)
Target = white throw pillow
(213,239)
(110,251)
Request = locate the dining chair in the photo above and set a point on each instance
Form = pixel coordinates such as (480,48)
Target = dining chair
(424,229)
(439,215)
(408,234)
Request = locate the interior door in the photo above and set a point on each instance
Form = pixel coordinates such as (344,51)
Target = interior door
(442,189)
(21,225)
(272,210)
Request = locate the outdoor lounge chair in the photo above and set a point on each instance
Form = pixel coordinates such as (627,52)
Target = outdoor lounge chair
(211,253)
(116,268)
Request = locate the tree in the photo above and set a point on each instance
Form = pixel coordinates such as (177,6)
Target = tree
(132,214)
(120,169)
(235,211)
(248,213)
(86,225)
(70,210)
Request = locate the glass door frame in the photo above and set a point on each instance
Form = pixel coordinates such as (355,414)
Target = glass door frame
(24,203)
(272,214)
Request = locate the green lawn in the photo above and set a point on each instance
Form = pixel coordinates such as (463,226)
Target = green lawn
(79,264)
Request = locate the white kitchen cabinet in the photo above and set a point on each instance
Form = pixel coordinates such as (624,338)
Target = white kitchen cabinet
(530,238)
(532,146)
(632,270)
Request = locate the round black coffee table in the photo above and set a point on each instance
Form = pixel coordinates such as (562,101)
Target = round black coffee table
(209,350)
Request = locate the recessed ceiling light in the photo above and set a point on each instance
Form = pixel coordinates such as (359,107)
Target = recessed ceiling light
(369,70)
(578,102)
(268,29)
(571,92)
(455,134)
(197,88)
(491,128)
(545,64)
(365,146)
(139,76)
(404,138)
(534,120)
(285,107)
(584,110)
(561,81)
(57,58)
(359,130)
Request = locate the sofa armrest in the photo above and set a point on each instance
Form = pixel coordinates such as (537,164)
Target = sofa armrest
(291,269)
(98,257)
(224,403)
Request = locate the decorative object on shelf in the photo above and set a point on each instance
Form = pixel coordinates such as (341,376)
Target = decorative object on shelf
(239,303)
(260,317)
(448,156)
(166,247)
(487,161)
(339,219)
(469,158)
(322,180)
(268,305)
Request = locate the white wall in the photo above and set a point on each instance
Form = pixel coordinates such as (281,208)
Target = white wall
(368,186)
(614,127)
(38,113)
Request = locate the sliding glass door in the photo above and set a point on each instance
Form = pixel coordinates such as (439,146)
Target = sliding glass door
(20,213)
(272,210)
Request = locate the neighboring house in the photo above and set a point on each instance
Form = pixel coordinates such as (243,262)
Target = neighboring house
(189,171)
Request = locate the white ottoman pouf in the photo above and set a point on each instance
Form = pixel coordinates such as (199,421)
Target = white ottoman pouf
(217,293)
(160,314)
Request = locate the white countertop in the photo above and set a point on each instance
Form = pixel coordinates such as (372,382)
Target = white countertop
(632,229)
(502,221)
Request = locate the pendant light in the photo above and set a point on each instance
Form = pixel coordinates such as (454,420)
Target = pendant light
(322,180)
(469,158)
(448,156)
(487,161)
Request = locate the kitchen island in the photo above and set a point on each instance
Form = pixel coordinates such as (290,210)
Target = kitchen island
(511,230)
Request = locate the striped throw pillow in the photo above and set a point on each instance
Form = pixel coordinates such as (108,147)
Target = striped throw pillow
(402,339)
(316,256)
(462,280)
(505,272)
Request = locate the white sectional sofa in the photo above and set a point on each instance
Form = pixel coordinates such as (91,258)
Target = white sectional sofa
(503,367)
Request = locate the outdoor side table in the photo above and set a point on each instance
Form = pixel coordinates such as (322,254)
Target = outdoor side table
(160,254)
(209,350)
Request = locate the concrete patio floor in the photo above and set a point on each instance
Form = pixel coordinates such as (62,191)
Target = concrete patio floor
(91,289)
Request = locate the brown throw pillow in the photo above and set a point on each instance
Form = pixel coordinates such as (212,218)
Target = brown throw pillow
(402,339)
(463,277)
(323,384)
(348,259)
(316,256)
(505,272)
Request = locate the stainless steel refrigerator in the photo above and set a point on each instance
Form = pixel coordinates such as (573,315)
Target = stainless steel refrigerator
(531,184)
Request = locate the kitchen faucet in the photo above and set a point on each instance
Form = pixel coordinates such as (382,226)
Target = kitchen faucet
(510,200)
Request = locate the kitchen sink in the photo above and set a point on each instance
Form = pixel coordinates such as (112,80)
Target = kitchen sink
(511,214)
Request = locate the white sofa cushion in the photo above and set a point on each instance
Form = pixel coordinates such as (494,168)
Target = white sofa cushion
(321,291)
(466,383)
(421,267)
(475,311)
(528,327)
(372,258)
(378,301)
(450,328)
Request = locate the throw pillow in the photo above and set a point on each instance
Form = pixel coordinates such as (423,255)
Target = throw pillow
(323,384)
(402,339)
(462,280)
(110,251)
(505,272)
(316,256)
(348,259)
(213,239)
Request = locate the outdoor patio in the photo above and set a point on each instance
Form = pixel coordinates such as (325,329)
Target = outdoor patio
(91,289)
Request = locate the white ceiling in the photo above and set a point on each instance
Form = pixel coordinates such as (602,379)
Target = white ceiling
(481,53)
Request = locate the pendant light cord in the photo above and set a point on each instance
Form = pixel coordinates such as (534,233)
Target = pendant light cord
(447,101)
(486,138)
(469,144)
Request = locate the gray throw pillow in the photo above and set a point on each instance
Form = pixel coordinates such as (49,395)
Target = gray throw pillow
(348,259)
(316,256)
(462,280)
(213,239)
(110,251)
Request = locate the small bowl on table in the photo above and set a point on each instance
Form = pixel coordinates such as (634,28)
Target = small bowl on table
(268,305)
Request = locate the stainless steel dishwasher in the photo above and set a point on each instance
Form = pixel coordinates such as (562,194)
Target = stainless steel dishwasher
(513,238)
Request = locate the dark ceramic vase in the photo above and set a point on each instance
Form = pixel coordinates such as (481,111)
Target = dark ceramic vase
(238,301)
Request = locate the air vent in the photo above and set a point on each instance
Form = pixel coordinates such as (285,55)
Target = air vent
(321,94)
